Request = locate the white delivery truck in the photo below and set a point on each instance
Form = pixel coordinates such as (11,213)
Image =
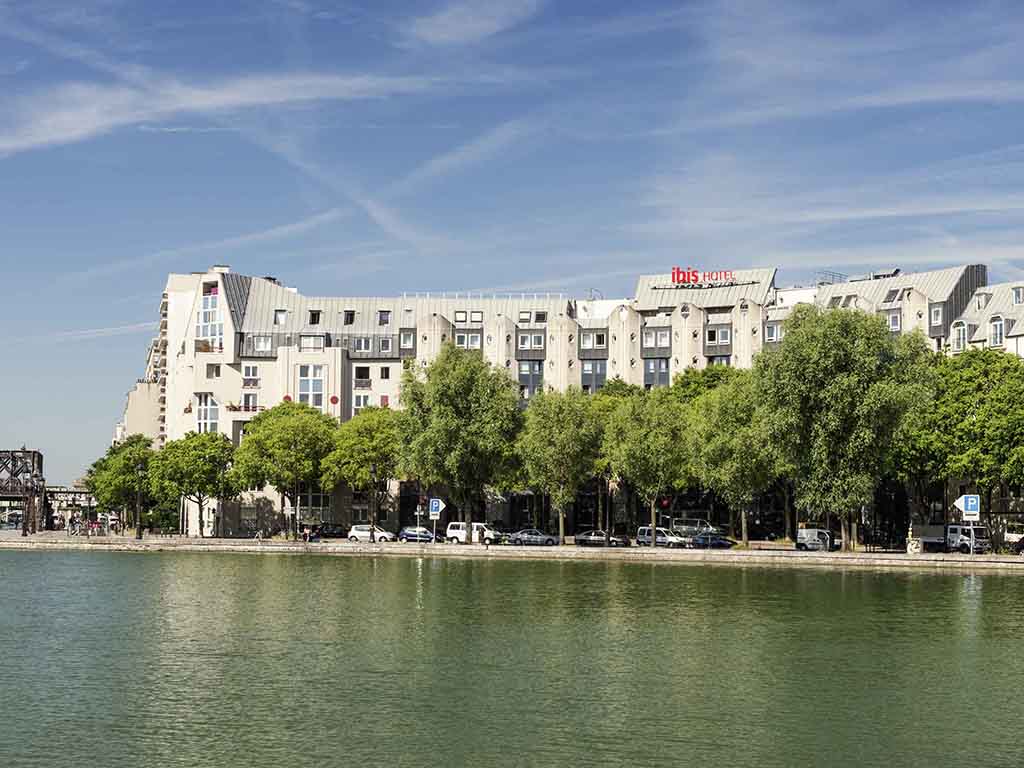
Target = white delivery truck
(951,537)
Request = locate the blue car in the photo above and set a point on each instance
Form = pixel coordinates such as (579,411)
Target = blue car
(415,533)
(711,541)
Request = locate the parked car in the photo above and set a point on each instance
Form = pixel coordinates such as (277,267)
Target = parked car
(817,539)
(693,526)
(663,538)
(711,541)
(362,533)
(598,538)
(14,519)
(332,531)
(482,532)
(415,533)
(533,536)
(503,536)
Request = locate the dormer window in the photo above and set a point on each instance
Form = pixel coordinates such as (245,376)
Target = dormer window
(280,316)
(890,297)
(314,317)
(348,317)
(895,322)
(540,317)
(460,316)
(834,302)
(982,300)
(995,332)
(1018,296)
(383,317)
(476,316)
(937,315)
(524,316)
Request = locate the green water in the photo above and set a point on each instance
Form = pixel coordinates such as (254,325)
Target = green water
(233,660)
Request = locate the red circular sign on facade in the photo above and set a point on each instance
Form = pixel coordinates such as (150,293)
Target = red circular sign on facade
(334,399)
(287,398)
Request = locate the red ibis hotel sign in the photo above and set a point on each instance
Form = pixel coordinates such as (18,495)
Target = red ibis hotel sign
(691,276)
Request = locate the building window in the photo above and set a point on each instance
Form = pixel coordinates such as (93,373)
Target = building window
(476,316)
(834,302)
(362,376)
(524,341)
(724,335)
(936,315)
(206,413)
(460,340)
(362,344)
(538,341)
(600,340)
(250,376)
(540,317)
(770,332)
(648,338)
(712,336)
(524,316)
(995,332)
(663,338)
(894,321)
(891,296)
(474,341)
(210,328)
(384,401)
(406,339)
(1018,296)
(385,344)
(249,401)
(460,316)
(348,317)
(311,385)
(851,299)
(385,372)
(383,317)
(314,317)
(586,341)
(360,402)
(588,367)
(959,337)
(311,343)
(212,371)
(280,316)
(261,343)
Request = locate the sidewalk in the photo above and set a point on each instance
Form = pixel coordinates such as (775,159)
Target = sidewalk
(54,541)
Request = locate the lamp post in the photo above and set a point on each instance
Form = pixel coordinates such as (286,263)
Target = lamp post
(373,503)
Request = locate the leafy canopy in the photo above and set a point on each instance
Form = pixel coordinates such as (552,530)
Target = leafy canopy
(367,450)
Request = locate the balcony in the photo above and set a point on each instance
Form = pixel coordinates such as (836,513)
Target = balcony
(203,345)
(362,383)
(250,383)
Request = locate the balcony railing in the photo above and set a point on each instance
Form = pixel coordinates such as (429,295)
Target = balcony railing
(250,383)
(362,383)
(204,345)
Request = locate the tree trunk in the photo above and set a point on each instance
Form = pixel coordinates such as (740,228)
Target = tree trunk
(787,511)
(654,522)
(200,501)
(607,489)
(561,526)
(743,527)
(467,515)
(844,528)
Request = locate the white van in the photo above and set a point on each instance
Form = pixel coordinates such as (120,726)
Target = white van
(482,532)
(664,538)
(817,538)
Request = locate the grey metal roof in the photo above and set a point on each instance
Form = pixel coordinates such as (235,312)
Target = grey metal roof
(653,291)
(236,293)
(936,284)
(266,296)
(999,304)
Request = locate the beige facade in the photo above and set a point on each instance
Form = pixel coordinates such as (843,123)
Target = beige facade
(232,345)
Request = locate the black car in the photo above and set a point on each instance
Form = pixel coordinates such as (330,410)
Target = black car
(597,538)
(711,541)
(332,531)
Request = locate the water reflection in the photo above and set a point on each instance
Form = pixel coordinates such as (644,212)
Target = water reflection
(307,661)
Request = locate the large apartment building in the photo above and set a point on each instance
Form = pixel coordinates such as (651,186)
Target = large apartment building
(231,345)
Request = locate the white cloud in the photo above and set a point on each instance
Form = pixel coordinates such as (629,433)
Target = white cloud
(468,154)
(470,21)
(76,111)
(279,232)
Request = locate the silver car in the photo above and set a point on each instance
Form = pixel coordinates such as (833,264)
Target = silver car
(533,536)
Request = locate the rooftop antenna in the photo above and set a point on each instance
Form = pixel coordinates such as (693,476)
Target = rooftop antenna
(828,277)
(594,294)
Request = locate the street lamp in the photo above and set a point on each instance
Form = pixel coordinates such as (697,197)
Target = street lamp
(373,503)
(138,500)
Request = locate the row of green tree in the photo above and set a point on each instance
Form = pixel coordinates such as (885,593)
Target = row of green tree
(839,405)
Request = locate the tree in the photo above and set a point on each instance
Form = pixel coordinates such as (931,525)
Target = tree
(195,468)
(285,447)
(365,456)
(735,457)
(694,382)
(459,426)
(559,447)
(603,404)
(977,424)
(837,389)
(120,479)
(646,443)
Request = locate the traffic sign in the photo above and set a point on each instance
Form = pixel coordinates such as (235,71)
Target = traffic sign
(436,508)
(970,505)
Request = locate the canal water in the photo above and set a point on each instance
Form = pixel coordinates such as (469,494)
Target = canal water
(237,660)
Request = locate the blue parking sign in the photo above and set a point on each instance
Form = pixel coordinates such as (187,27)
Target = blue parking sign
(972,503)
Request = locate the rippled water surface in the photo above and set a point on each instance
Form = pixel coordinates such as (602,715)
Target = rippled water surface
(234,660)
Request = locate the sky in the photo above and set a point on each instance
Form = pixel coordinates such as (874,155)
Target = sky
(373,147)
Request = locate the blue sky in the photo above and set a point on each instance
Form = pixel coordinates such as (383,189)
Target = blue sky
(375,147)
